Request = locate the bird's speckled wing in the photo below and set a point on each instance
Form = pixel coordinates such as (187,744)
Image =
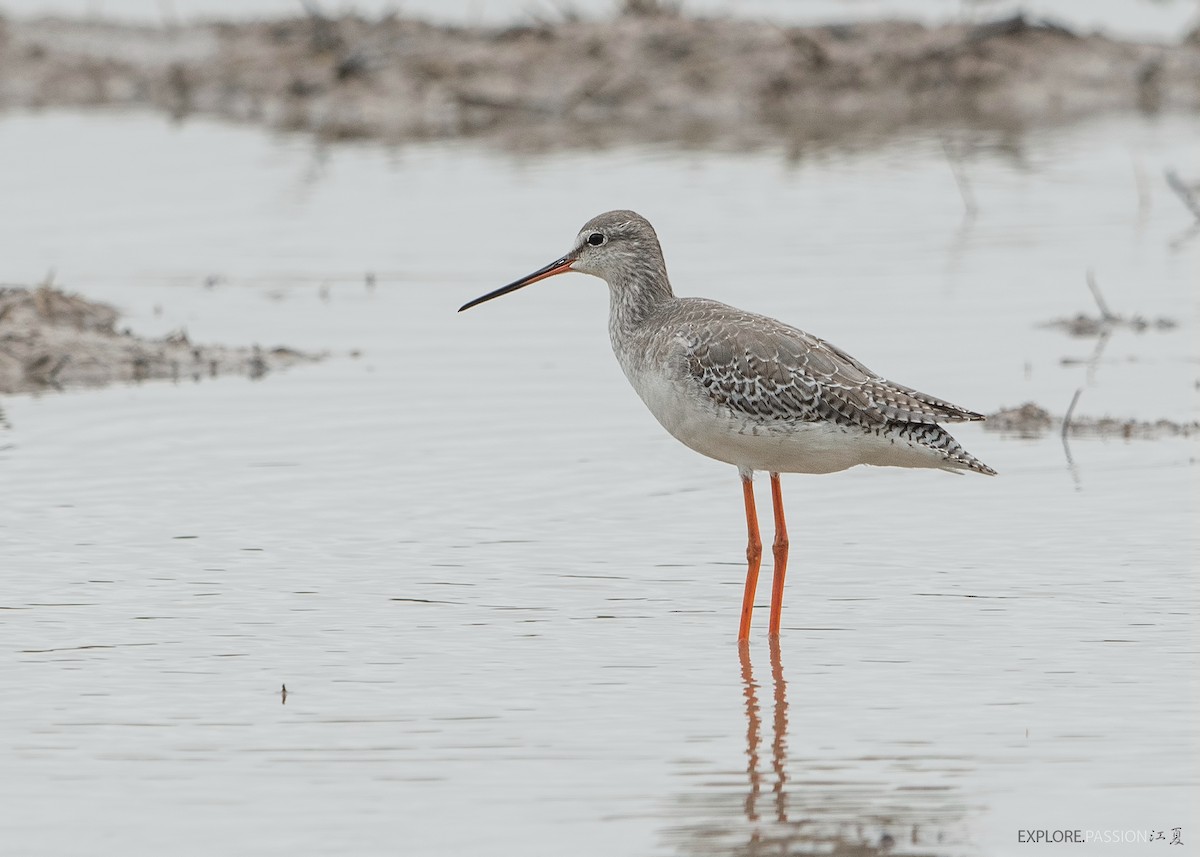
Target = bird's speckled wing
(769,371)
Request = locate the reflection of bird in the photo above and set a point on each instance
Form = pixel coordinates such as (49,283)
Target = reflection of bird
(749,390)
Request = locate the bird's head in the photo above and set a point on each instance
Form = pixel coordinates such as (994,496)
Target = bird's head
(612,246)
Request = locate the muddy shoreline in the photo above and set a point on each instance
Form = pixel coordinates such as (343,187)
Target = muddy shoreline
(51,340)
(632,78)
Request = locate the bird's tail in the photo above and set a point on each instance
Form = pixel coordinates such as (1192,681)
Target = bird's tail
(963,460)
(937,439)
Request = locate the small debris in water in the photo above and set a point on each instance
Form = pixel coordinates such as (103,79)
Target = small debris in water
(1189,194)
(1086,326)
(1030,421)
(1083,325)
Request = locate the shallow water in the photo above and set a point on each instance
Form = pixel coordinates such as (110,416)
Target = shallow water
(503,601)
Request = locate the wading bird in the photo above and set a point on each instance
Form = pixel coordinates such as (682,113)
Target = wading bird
(747,389)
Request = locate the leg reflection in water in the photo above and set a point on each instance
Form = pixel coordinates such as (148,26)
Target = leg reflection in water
(779,745)
(855,789)
(817,805)
(754,733)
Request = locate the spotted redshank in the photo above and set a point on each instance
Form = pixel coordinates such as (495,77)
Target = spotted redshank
(749,390)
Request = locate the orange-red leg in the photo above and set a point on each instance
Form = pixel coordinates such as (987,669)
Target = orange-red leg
(780,550)
(753,556)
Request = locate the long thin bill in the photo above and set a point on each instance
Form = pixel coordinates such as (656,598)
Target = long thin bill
(558,266)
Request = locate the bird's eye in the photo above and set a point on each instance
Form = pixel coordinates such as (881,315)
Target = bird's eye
(595,239)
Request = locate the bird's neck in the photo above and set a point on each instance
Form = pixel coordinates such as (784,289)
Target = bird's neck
(633,299)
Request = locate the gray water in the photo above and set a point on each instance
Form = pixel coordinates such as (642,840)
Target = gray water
(502,599)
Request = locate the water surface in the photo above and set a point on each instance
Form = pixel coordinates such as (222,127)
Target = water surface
(503,601)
